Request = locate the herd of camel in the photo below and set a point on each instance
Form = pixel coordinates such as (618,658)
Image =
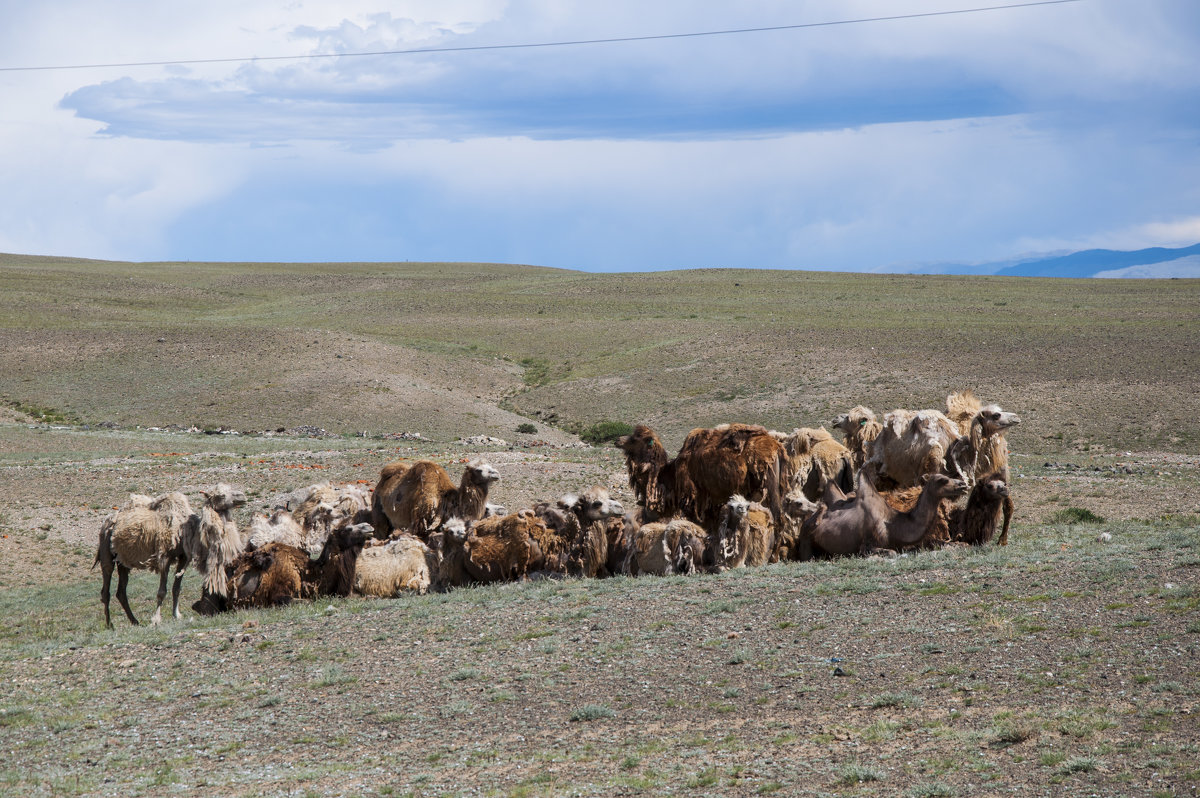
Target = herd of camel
(736,495)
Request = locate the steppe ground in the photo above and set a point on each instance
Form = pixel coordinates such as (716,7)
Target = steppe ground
(1062,664)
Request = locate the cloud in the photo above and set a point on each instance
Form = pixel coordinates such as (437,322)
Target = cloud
(963,138)
(753,84)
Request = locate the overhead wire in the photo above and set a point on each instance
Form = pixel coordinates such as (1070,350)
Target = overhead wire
(533,45)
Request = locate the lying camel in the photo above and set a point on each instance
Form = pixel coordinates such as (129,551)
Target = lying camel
(856,524)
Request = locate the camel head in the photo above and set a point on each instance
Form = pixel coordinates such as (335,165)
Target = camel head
(455,529)
(992,419)
(738,506)
(994,486)
(857,417)
(320,517)
(481,473)
(351,537)
(944,487)
(639,444)
(594,504)
(796,505)
(224,497)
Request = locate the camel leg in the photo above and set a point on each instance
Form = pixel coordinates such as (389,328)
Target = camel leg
(1008,512)
(122,581)
(180,567)
(106,569)
(162,594)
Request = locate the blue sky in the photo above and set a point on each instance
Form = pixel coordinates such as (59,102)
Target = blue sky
(965,138)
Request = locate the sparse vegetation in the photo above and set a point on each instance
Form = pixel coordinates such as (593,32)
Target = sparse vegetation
(605,431)
(1075,515)
(1046,666)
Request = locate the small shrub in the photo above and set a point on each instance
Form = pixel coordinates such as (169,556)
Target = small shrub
(526,428)
(1076,515)
(605,431)
(857,774)
(591,712)
(1080,764)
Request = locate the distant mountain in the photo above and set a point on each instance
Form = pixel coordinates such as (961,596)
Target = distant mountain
(1090,262)
(1154,262)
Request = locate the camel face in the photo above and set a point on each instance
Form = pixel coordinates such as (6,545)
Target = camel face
(596,505)
(638,442)
(456,529)
(996,420)
(225,497)
(944,487)
(482,473)
(996,487)
(797,505)
(738,506)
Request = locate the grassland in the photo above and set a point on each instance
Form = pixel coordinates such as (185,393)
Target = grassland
(1063,664)
(353,347)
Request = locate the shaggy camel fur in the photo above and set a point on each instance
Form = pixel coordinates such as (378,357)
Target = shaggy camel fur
(620,533)
(982,447)
(499,549)
(388,569)
(797,508)
(144,533)
(861,429)
(388,485)
(278,574)
(912,444)
(663,548)
(745,535)
(272,576)
(446,542)
(645,459)
(212,537)
(976,523)
(422,497)
(586,528)
(809,448)
(282,527)
(717,463)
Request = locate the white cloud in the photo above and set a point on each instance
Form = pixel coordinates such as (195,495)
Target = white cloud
(1064,127)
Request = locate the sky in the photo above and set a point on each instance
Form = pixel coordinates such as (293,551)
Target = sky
(866,146)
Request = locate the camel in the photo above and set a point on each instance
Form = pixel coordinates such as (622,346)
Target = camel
(403,563)
(861,429)
(663,548)
(277,573)
(745,535)
(981,447)
(645,459)
(586,528)
(809,448)
(975,524)
(282,527)
(420,497)
(155,534)
(844,524)
(144,533)
(714,464)
(905,529)
(913,444)
(495,549)
(797,508)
